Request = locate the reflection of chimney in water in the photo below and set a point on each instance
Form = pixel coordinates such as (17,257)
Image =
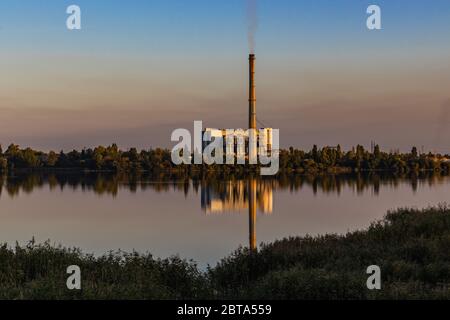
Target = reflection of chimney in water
(252,213)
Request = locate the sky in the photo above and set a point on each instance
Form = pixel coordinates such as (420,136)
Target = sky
(137,70)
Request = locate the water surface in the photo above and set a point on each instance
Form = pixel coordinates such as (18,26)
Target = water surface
(203,220)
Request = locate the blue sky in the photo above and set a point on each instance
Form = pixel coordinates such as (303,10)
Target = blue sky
(148,67)
(197,26)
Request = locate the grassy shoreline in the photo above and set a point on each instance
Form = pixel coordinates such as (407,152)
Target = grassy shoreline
(411,247)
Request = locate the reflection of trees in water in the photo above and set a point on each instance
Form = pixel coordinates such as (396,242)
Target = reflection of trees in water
(99,183)
(359,182)
(110,184)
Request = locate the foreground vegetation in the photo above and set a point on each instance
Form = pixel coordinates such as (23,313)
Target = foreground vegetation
(327,159)
(410,246)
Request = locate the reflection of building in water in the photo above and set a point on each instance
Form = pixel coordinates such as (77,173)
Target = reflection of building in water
(236,196)
(233,196)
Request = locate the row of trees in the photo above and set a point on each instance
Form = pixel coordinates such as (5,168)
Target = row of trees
(359,159)
(100,158)
(111,158)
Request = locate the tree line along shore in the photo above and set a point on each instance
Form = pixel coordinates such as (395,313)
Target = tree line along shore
(316,160)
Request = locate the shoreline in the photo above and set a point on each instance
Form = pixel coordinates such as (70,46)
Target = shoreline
(330,171)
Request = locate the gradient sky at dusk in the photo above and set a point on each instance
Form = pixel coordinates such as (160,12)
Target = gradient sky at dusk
(139,69)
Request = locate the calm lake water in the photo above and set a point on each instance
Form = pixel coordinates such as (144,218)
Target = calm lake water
(199,220)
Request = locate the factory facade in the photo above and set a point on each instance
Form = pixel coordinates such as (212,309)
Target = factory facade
(244,144)
(219,146)
(240,142)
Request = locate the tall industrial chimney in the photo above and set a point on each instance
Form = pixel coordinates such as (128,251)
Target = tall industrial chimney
(252,94)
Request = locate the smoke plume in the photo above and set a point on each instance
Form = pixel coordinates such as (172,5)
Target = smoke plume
(252,23)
